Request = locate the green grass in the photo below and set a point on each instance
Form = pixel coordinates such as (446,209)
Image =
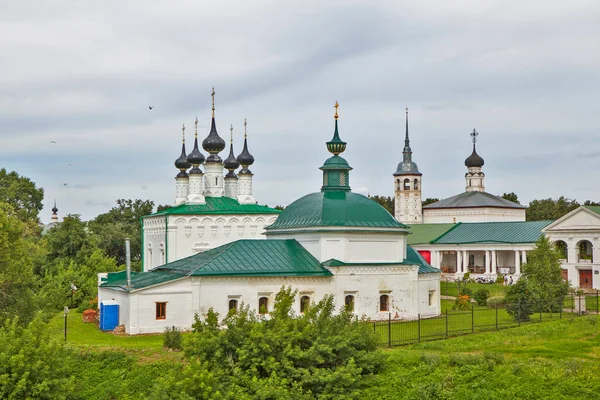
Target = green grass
(451,288)
(554,360)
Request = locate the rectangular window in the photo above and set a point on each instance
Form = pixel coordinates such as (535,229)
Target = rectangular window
(431,297)
(161,310)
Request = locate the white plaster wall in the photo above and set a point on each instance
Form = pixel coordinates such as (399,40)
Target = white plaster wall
(408,204)
(476,214)
(154,238)
(122,299)
(350,246)
(429,283)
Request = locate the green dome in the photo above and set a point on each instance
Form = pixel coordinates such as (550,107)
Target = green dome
(335,208)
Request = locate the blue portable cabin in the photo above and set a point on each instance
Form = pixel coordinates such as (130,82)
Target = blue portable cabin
(109,315)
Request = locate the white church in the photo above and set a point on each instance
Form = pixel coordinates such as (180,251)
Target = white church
(207,252)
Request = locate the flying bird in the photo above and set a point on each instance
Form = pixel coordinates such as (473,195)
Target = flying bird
(52,141)
(150,107)
(65,184)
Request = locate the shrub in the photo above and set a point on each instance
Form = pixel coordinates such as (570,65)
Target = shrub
(521,300)
(481,296)
(172,338)
(466,276)
(465,291)
(462,303)
(495,301)
(500,279)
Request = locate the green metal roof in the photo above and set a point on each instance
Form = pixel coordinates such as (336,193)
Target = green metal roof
(595,209)
(412,258)
(494,232)
(425,233)
(239,258)
(335,208)
(217,205)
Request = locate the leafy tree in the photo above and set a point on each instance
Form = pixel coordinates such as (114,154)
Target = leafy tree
(430,200)
(591,203)
(319,354)
(386,202)
(22,194)
(281,208)
(550,208)
(521,300)
(512,196)
(122,221)
(17,280)
(162,207)
(69,240)
(32,365)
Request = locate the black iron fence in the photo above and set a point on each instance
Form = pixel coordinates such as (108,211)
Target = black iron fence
(479,319)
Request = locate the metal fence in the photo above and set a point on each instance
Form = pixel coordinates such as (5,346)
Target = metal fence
(478,319)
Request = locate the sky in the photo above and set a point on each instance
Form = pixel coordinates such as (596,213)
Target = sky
(77,79)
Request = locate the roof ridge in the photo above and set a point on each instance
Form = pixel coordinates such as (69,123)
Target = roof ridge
(445,233)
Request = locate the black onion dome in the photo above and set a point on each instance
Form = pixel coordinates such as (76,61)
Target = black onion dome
(54,209)
(213,144)
(245,158)
(231,163)
(182,162)
(195,157)
(474,160)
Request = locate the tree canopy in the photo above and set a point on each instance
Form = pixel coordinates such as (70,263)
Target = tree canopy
(22,194)
(512,196)
(386,202)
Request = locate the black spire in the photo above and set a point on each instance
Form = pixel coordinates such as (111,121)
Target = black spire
(407,166)
(195,158)
(213,143)
(182,162)
(245,158)
(474,160)
(54,209)
(336,171)
(231,163)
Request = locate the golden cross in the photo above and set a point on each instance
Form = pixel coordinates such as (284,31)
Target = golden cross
(336,110)
(213,101)
(196,129)
(245,123)
(183,132)
(231,130)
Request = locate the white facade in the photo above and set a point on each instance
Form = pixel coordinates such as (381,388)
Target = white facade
(474,180)
(577,235)
(168,238)
(474,214)
(213,179)
(407,195)
(245,189)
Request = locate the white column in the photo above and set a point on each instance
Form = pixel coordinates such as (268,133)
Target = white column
(517,263)
(494,266)
(181,189)
(458,262)
(466,261)
(196,189)
(571,251)
(488,268)
(245,189)
(231,187)
(524,253)
(438,259)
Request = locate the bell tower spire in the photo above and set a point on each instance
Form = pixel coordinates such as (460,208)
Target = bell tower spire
(474,176)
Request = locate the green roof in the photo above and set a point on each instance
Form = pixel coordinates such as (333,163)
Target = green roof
(595,209)
(335,208)
(412,258)
(426,233)
(239,258)
(494,232)
(217,205)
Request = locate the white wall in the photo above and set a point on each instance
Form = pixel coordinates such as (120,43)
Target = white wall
(476,214)
(429,283)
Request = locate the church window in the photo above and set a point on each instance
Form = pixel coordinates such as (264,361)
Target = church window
(263,305)
(384,302)
(161,310)
(304,303)
(233,304)
(342,179)
(407,184)
(217,181)
(431,297)
(349,302)
(416,184)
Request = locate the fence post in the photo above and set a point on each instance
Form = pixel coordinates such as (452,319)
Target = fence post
(389,329)
(446,322)
(496,316)
(519,312)
(374,328)
(472,319)
(579,300)
(419,327)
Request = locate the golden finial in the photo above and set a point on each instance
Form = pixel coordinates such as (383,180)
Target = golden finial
(196,128)
(183,133)
(213,102)
(231,134)
(245,133)
(336,110)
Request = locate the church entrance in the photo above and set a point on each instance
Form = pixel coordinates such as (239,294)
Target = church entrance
(585,278)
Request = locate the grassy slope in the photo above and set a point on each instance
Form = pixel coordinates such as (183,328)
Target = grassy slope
(554,360)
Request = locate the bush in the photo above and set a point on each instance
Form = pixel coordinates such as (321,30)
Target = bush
(172,338)
(462,303)
(465,291)
(481,296)
(520,300)
(495,301)
(466,276)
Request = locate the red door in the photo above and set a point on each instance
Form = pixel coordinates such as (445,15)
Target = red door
(565,274)
(585,278)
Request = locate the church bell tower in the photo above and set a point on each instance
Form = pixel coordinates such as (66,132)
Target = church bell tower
(407,187)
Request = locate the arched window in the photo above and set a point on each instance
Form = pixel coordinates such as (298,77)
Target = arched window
(233,304)
(263,305)
(384,302)
(561,246)
(217,181)
(304,303)
(585,251)
(349,302)
(342,179)
(407,184)
(398,184)
(416,183)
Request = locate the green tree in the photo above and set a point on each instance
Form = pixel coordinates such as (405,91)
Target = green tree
(550,208)
(70,240)
(430,200)
(122,221)
(32,365)
(17,279)
(162,207)
(386,202)
(22,194)
(512,196)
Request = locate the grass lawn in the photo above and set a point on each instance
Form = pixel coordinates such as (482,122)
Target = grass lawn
(451,288)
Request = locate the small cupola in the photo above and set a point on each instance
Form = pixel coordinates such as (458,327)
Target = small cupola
(245,158)
(336,171)
(182,163)
(231,163)
(474,160)
(213,143)
(195,158)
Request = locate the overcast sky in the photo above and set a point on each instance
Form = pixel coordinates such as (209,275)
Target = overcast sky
(525,74)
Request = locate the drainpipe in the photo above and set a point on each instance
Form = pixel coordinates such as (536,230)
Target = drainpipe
(128,262)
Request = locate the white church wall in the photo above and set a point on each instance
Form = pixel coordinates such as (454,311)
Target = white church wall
(429,295)
(475,214)
(122,299)
(154,237)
